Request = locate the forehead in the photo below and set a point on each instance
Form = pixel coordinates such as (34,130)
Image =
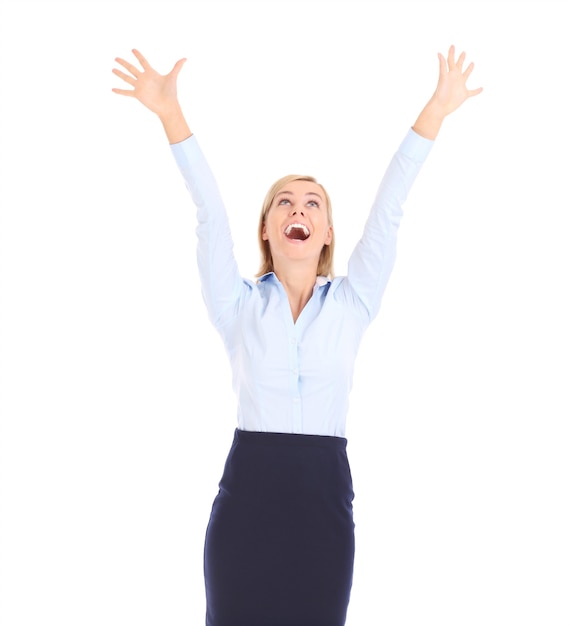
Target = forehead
(300,188)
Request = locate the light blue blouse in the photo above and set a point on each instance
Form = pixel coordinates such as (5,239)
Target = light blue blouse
(295,377)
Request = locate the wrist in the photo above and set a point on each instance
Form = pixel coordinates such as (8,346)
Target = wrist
(430,119)
(435,110)
(174,123)
(169,111)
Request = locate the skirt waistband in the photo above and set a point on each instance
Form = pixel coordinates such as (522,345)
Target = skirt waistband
(288,439)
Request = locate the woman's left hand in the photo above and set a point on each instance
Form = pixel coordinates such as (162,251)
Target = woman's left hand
(450,93)
(452,89)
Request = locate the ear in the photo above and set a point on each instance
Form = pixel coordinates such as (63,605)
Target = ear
(264,233)
(329,236)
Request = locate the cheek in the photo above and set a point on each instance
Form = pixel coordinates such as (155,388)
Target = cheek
(269,225)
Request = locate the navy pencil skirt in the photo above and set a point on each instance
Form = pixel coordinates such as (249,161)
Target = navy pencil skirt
(279,548)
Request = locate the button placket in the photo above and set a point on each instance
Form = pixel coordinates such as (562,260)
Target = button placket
(295,385)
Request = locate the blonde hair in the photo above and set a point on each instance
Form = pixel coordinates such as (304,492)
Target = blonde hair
(326,260)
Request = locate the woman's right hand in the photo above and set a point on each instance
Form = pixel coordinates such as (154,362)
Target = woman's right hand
(156,91)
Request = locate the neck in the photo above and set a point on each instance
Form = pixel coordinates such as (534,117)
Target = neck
(298,282)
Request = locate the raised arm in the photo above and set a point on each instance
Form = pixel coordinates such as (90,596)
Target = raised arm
(157,92)
(372,261)
(220,278)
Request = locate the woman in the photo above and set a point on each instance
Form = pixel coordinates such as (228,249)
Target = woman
(279,546)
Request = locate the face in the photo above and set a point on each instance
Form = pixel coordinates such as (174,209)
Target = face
(297,225)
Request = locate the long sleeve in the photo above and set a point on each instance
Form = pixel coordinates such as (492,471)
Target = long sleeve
(373,258)
(220,279)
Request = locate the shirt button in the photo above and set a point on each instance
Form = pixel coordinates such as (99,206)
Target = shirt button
(295,372)
(293,340)
(296,400)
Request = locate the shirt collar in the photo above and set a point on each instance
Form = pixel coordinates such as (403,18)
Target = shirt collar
(320,280)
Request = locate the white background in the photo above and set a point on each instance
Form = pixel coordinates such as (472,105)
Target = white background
(116,406)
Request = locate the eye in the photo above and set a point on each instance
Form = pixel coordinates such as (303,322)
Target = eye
(283,201)
(314,203)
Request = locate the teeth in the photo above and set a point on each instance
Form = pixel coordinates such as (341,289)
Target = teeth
(297,225)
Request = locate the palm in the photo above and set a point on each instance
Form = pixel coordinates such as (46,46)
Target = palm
(452,89)
(156,91)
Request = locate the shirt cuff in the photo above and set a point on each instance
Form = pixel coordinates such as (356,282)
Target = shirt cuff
(416,147)
(186,152)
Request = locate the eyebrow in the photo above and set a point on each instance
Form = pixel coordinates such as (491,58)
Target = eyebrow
(310,193)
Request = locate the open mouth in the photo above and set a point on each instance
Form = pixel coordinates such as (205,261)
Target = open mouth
(297,231)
